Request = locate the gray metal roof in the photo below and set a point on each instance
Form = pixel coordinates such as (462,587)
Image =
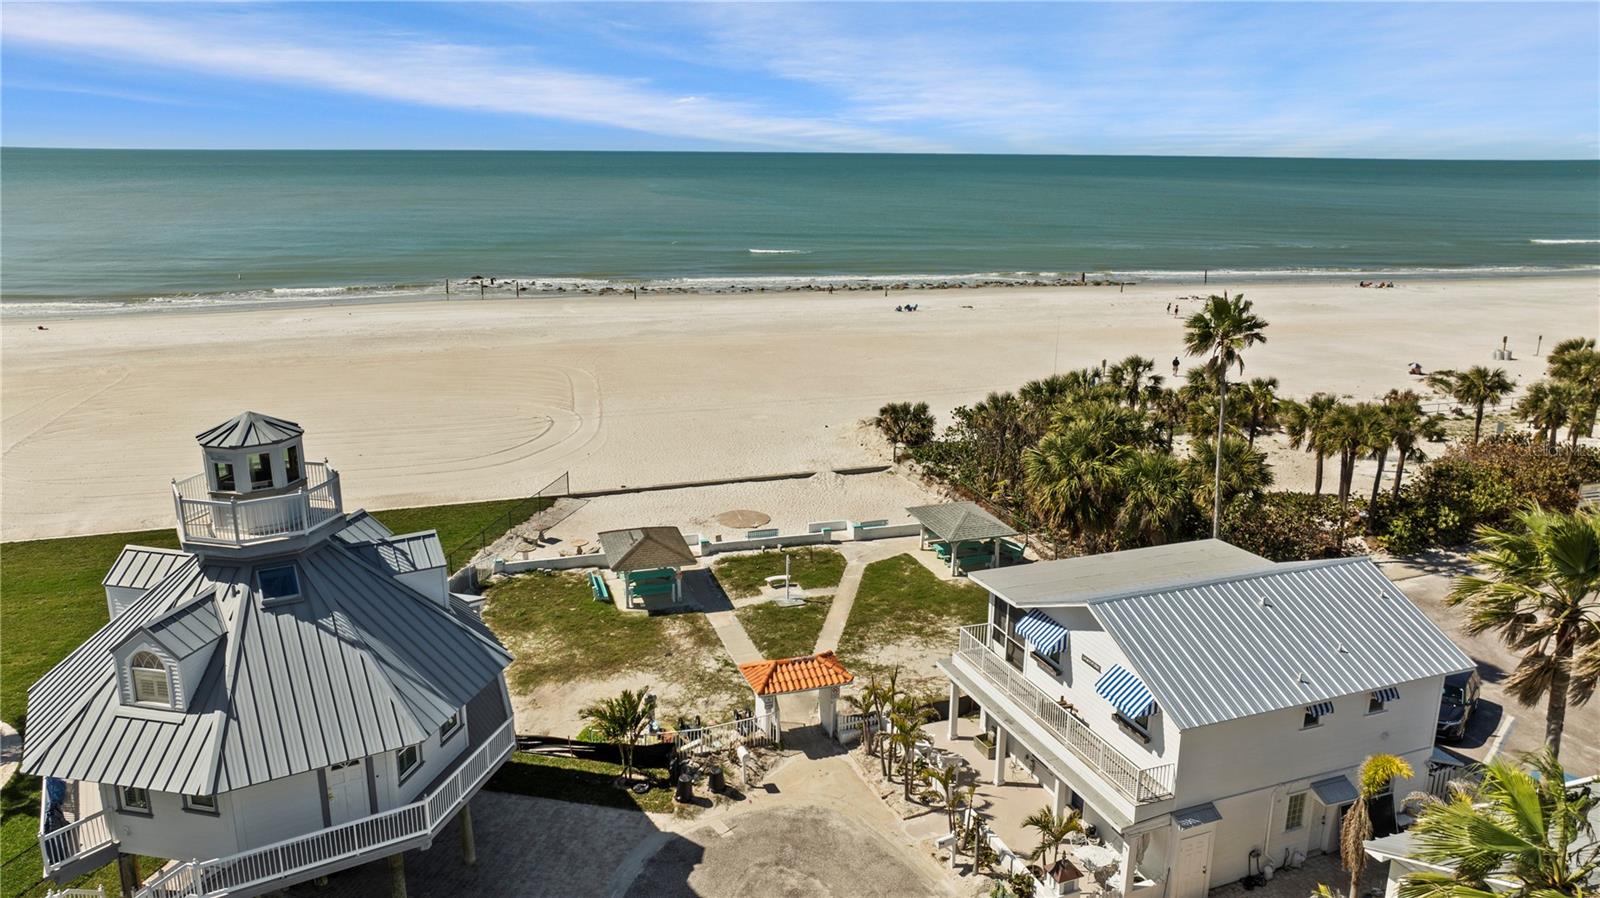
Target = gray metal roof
(187,629)
(248,429)
(1335,790)
(1072,581)
(360,664)
(645,548)
(406,553)
(1199,815)
(361,527)
(960,521)
(141,567)
(1293,634)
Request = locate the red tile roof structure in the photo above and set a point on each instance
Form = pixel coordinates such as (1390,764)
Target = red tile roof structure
(800,674)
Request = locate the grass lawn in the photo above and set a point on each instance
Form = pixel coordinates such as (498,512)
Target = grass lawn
(560,634)
(743,576)
(902,601)
(579,780)
(457,523)
(785,632)
(53,601)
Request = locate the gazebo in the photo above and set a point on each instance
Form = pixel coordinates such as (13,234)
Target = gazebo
(649,561)
(955,524)
(820,673)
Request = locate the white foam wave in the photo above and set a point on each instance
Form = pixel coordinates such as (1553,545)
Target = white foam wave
(781,252)
(1565,240)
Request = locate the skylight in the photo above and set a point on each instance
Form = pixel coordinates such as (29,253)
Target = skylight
(278,584)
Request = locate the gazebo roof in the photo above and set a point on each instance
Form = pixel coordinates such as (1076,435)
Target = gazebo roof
(801,674)
(248,429)
(960,521)
(645,549)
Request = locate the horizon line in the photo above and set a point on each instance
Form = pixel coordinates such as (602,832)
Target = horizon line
(763,152)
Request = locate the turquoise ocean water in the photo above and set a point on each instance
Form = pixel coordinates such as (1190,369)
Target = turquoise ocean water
(104,226)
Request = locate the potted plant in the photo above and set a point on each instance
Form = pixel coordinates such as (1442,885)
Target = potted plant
(985,744)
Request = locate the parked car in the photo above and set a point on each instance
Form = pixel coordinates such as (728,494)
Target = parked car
(1456,705)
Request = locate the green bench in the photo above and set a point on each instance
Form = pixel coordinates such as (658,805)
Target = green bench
(602,592)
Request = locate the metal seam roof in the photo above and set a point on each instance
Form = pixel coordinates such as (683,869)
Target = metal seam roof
(361,664)
(141,567)
(1230,648)
(248,429)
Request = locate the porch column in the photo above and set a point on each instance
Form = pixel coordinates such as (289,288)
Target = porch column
(1127,864)
(128,874)
(955,706)
(954,548)
(1000,746)
(1058,797)
(469,848)
(397,875)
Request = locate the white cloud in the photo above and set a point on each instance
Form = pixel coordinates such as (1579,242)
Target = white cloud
(414,70)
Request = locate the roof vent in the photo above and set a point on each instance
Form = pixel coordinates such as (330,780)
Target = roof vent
(1265,602)
(1304,680)
(1343,650)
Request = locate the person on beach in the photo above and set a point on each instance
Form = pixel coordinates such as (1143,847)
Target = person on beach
(1174,366)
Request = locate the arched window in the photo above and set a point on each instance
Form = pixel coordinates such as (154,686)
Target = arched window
(151,685)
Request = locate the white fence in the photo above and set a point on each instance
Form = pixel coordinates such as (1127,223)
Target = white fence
(61,845)
(746,731)
(241,521)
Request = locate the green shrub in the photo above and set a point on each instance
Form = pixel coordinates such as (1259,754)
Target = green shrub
(1287,526)
(1470,486)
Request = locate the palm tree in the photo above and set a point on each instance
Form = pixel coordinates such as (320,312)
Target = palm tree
(1352,431)
(1246,471)
(622,721)
(1155,497)
(1073,476)
(1132,379)
(1306,423)
(946,783)
(1053,833)
(905,423)
(1222,330)
(1377,772)
(1259,401)
(1408,425)
(905,724)
(1544,406)
(1524,832)
(1577,362)
(1477,386)
(1540,588)
(998,424)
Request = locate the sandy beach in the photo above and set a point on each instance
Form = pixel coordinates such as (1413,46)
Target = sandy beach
(431,401)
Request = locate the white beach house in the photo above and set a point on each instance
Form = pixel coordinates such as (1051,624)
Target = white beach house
(1204,708)
(292,693)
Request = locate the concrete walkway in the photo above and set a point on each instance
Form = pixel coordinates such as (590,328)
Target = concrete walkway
(857,557)
(734,639)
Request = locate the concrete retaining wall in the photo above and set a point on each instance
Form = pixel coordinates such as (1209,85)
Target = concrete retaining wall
(892,531)
(568,563)
(770,542)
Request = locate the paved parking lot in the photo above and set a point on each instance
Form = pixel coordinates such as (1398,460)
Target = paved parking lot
(1427,584)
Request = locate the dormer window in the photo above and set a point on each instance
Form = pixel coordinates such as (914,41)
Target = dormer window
(260,471)
(152,684)
(291,463)
(278,584)
(222,472)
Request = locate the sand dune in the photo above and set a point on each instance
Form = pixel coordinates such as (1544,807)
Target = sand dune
(423,402)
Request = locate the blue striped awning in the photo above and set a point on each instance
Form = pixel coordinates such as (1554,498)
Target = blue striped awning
(1386,694)
(1125,692)
(1042,632)
(1320,709)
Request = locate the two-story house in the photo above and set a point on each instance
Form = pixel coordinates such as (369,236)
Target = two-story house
(1203,708)
(293,692)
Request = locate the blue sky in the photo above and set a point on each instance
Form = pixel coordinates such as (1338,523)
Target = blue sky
(1427,80)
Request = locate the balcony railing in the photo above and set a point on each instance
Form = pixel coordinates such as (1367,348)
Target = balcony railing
(293,859)
(1136,783)
(245,521)
(61,847)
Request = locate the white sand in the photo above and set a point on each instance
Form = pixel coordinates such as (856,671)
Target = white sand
(428,402)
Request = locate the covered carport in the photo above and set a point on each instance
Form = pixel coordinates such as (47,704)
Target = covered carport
(967,532)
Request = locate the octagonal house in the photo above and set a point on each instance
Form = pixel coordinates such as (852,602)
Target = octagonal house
(293,692)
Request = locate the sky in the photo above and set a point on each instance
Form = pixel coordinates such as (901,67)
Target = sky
(1407,80)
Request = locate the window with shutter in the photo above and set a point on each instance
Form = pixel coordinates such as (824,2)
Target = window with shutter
(151,685)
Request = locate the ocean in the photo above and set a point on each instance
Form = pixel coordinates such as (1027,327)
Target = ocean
(116,227)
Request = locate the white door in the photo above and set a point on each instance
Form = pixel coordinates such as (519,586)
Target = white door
(1330,835)
(1194,866)
(347,792)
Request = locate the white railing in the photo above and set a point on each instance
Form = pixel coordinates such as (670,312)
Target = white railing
(74,840)
(369,835)
(717,737)
(1139,784)
(242,521)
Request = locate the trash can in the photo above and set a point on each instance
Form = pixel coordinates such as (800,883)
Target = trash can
(685,787)
(718,781)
